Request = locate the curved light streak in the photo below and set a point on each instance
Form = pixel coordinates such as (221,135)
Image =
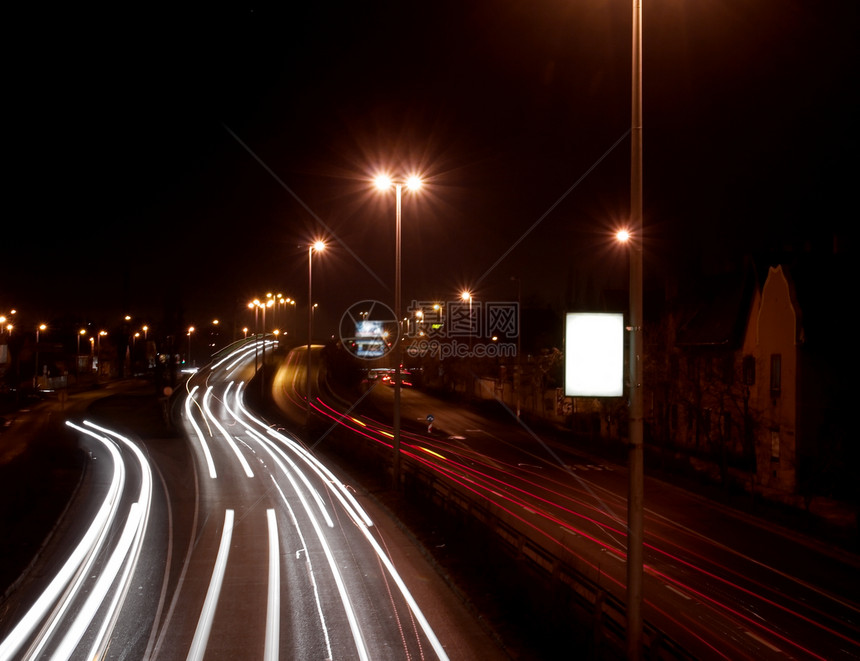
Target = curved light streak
(358,638)
(189,399)
(488,487)
(141,511)
(206,399)
(68,583)
(361,519)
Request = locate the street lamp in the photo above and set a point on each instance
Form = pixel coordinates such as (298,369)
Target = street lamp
(255,306)
(466,296)
(635,499)
(190,330)
(263,307)
(316,246)
(39,328)
(384,182)
(279,301)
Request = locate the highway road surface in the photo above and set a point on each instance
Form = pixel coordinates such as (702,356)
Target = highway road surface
(228,541)
(720,583)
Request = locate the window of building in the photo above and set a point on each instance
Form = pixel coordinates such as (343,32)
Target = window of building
(775,374)
(749,370)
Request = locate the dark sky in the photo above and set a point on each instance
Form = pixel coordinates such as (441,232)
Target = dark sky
(191,156)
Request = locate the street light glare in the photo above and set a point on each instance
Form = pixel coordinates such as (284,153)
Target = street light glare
(383,182)
(466,296)
(623,236)
(319,246)
(413,183)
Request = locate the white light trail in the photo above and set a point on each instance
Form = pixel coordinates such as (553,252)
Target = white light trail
(253,432)
(356,512)
(357,636)
(204,624)
(310,568)
(189,399)
(206,406)
(342,494)
(97,595)
(76,569)
(273,609)
(69,581)
(144,508)
(240,355)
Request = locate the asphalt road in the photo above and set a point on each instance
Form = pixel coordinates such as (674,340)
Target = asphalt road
(220,539)
(735,585)
(725,583)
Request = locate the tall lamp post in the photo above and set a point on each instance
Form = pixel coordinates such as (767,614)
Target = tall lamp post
(635,498)
(316,246)
(39,328)
(413,183)
(190,330)
(263,305)
(255,306)
(81,333)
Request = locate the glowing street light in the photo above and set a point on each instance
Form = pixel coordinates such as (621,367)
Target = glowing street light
(466,296)
(384,182)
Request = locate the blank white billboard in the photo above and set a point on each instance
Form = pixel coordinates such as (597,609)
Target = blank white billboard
(593,355)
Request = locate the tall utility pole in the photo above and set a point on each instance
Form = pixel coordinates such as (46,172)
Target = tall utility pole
(398,351)
(635,496)
(316,246)
(413,183)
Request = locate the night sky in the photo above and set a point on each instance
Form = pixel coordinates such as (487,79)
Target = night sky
(169,155)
